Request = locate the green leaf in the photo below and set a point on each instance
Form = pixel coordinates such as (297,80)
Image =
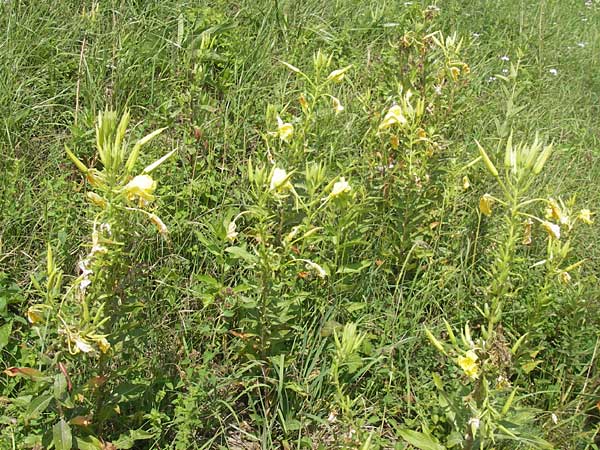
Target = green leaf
(60,386)
(127,441)
(420,440)
(241,253)
(88,443)
(61,436)
(38,406)
(5,331)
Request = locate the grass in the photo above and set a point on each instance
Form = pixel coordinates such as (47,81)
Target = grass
(235,341)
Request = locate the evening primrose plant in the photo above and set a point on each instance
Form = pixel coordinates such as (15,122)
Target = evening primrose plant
(316,100)
(79,320)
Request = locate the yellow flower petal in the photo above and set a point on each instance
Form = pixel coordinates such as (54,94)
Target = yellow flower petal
(142,187)
(485,204)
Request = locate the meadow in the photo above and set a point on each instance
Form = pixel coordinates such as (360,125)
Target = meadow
(299,225)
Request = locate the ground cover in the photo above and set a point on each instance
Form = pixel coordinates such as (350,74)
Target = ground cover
(280,224)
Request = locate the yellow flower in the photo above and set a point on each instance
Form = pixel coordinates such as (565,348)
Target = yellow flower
(466,182)
(142,186)
(485,204)
(394,142)
(585,215)
(34,315)
(337,106)
(303,102)
(340,188)
(454,72)
(103,344)
(394,116)
(552,229)
(284,130)
(468,364)
(554,212)
(564,277)
(280,180)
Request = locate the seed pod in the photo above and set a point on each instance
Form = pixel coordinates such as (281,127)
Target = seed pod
(539,164)
(487,161)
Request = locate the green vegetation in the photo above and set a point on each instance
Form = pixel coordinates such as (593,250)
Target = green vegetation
(284,224)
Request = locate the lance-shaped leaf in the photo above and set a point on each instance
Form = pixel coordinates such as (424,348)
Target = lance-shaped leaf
(133,156)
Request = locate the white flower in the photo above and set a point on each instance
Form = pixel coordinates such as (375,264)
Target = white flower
(504,58)
(553,72)
(554,418)
(581,44)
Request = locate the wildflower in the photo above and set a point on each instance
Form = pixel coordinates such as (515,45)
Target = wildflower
(103,344)
(142,187)
(504,58)
(454,72)
(466,183)
(581,44)
(585,215)
(394,116)
(468,364)
(340,188)
(554,212)
(338,75)
(553,72)
(564,277)
(280,180)
(284,130)
(82,345)
(231,233)
(554,418)
(96,200)
(317,268)
(96,246)
(303,102)
(337,106)
(552,229)
(394,142)
(34,315)
(485,204)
